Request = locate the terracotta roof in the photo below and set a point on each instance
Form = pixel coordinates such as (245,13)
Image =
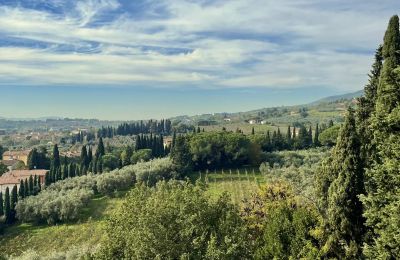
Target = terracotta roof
(14,177)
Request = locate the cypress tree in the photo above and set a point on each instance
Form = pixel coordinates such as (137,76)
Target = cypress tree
(289,137)
(310,137)
(99,165)
(35,185)
(316,136)
(47,179)
(344,221)
(90,154)
(100,148)
(26,188)
(1,204)
(21,191)
(14,197)
(383,182)
(173,140)
(84,156)
(56,157)
(7,206)
(30,183)
(33,159)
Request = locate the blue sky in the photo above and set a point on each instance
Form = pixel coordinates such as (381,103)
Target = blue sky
(123,59)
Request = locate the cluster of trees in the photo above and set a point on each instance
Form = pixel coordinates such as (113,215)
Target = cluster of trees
(8,203)
(135,128)
(38,159)
(211,150)
(63,169)
(153,142)
(359,184)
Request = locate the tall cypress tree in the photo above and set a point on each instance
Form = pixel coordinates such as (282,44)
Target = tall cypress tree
(383,182)
(100,148)
(173,140)
(84,156)
(31,185)
(1,204)
(289,138)
(26,188)
(344,222)
(21,191)
(316,136)
(14,197)
(7,206)
(56,157)
(310,137)
(33,159)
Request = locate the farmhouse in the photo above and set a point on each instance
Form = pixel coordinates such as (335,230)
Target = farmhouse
(9,179)
(167,141)
(17,155)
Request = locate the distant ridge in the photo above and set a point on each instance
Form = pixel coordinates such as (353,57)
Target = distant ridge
(339,97)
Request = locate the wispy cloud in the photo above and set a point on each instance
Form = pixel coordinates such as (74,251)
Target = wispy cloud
(218,44)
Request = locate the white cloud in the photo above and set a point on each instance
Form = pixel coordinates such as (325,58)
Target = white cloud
(241,43)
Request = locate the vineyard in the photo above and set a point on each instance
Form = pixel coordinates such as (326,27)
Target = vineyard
(239,183)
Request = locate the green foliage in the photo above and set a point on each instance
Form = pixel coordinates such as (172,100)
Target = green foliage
(109,162)
(329,136)
(279,223)
(3,169)
(174,220)
(38,159)
(1,204)
(299,169)
(339,185)
(142,155)
(383,196)
(63,200)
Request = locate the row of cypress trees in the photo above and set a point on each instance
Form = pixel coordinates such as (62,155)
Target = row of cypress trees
(8,203)
(136,128)
(359,185)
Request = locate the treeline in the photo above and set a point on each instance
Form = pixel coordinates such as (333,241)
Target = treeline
(213,150)
(163,127)
(29,187)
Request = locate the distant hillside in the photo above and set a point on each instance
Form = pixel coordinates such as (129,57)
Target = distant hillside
(320,111)
(339,97)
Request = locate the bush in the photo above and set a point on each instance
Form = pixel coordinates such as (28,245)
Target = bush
(53,206)
(142,155)
(280,223)
(174,220)
(329,136)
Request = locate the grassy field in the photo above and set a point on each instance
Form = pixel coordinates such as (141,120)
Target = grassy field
(46,239)
(239,183)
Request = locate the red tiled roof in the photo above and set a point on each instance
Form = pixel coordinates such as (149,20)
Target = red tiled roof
(14,177)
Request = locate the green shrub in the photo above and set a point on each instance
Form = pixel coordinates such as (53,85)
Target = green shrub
(174,220)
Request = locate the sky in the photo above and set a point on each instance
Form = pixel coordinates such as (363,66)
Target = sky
(139,59)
